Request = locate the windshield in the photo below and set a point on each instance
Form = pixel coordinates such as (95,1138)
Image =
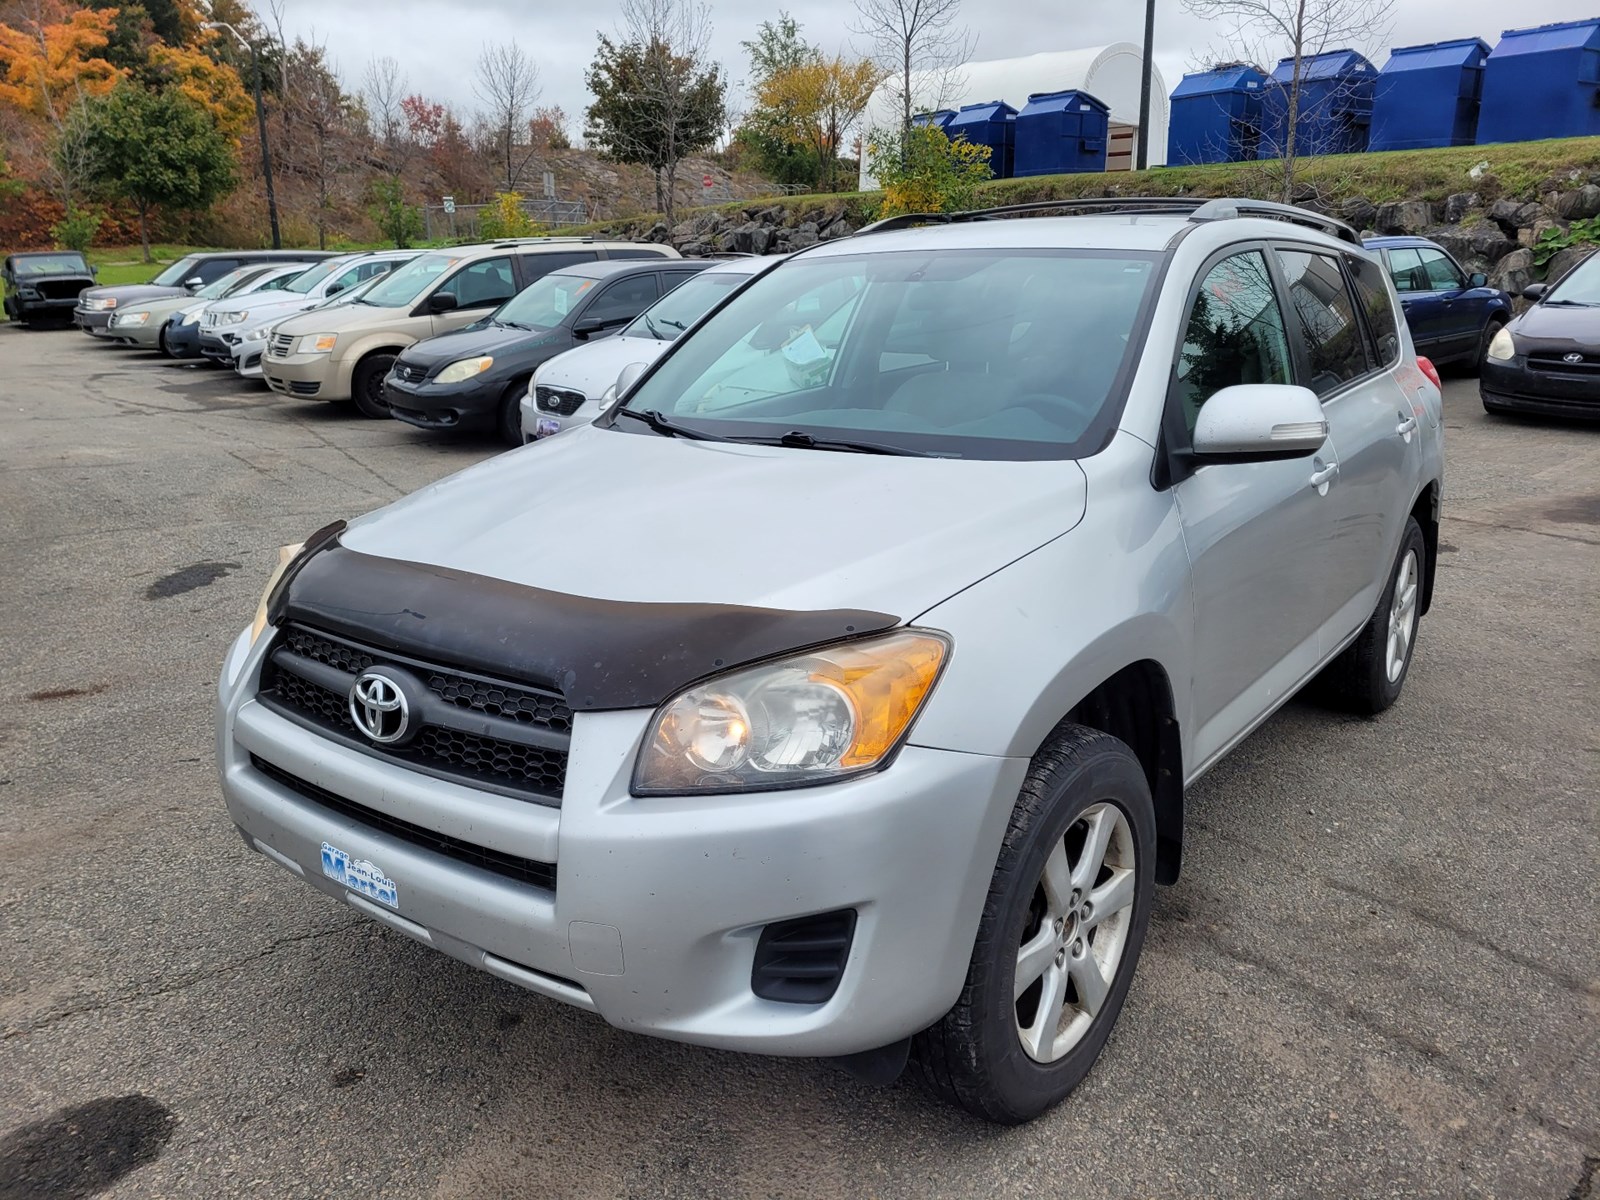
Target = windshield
(52,264)
(684,305)
(1581,285)
(544,304)
(218,288)
(997,354)
(349,294)
(174,275)
(406,285)
(304,282)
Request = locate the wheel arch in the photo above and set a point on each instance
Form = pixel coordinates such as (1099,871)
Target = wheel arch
(1426,514)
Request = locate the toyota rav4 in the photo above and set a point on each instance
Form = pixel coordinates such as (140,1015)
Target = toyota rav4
(837,691)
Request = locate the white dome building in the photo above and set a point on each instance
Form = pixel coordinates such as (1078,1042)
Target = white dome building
(1109,73)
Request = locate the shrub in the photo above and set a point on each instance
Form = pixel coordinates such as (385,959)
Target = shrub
(400,222)
(505,218)
(1552,241)
(76,230)
(922,170)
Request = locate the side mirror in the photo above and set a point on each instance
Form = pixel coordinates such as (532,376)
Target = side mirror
(443,302)
(627,378)
(335,288)
(94,272)
(1260,421)
(194,283)
(1535,291)
(586,327)
(1477,280)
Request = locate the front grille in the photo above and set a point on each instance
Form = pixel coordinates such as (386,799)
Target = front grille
(1549,361)
(802,961)
(209,319)
(282,343)
(507,866)
(304,387)
(409,372)
(560,401)
(60,289)
(483,732)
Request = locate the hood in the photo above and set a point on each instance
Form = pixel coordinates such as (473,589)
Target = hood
(131,293)
(161,306)
(469,343)
(594,366)
(345,317)
(1560,324)
(251,301)
(621,516)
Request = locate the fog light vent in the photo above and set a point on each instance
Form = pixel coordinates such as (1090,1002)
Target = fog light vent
(801,961)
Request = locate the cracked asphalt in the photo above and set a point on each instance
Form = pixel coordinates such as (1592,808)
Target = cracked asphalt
(1378,976)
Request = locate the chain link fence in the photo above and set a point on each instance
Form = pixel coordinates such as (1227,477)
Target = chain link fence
(463,222)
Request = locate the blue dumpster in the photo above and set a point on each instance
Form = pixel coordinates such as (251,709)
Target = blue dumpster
(993,125)
(1335,112)
(1061,133)
(1428,96)
(940,117)
(1542,83)
(1216,116)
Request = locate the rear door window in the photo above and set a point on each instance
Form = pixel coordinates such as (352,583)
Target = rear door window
(1378,306)
(1329,333)
(1236,334)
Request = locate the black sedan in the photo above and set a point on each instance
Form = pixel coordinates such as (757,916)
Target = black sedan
(1547,361)
(475,377)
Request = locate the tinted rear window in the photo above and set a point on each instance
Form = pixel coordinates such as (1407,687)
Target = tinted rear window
(1379,308)
(1335,346)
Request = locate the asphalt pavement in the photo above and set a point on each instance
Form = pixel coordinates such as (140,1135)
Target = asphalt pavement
(1378,976)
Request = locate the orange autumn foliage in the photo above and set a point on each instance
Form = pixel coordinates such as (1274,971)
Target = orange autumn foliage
(51,58)
(214,86)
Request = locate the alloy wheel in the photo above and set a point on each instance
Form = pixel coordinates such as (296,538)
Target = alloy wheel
(1075,934)
(1402,617)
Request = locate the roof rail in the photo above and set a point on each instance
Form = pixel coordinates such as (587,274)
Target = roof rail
(1195,207)
(509,243)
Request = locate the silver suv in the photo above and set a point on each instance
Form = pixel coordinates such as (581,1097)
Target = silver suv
(711,719)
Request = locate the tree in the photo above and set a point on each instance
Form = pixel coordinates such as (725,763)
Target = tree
(922,170)
(51,58)
(659,95)
(1301,29)
(816,103)
(214,86)
(383,91)
(919,45)
(158,149)
(507,84)
(777,47)
(324,117)
(399,221)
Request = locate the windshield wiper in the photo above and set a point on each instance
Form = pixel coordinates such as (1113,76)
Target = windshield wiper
(799,439)
(516,325)
(668,428)
(1570,303)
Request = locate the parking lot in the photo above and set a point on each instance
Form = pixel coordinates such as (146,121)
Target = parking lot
(1379,974)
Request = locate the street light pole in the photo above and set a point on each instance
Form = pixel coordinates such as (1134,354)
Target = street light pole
(1144,84)
(261,128)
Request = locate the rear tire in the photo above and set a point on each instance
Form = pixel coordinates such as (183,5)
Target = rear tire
(366,385)
(1367,677)
(1005,1052)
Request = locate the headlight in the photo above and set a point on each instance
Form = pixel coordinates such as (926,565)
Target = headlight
(103,303)
(27,293)
(233,318)
(317,343)
(1501,347)
(191,318)
(130,318)
(465,369)
(811,718)
(286,555)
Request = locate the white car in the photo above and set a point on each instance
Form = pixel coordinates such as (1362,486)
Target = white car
(235,332)
(571,389)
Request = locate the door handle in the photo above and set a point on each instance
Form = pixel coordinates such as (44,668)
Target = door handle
(1408,424)
(1321,478)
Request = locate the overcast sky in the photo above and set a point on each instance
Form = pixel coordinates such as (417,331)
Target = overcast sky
(437,41)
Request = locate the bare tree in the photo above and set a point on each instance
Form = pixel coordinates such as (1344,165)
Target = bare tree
(919,46)
(383,88)
(507,84)
(323,117)
(1301,29)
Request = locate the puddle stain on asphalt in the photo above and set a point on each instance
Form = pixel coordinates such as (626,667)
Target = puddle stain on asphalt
(68,693)
(201,574)
(83,1150)
(1576,510)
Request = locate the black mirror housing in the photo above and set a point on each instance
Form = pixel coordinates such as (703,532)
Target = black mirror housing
(1534,291)
(1477,280)
(443,302)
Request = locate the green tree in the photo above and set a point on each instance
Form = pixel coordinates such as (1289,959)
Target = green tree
(659,95)
(776,49)
(158,150)
(922,170)
(400,222)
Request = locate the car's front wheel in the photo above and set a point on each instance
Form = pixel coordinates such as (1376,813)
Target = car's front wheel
(509,421)
(366,385)
(1060,935)
(1491,327)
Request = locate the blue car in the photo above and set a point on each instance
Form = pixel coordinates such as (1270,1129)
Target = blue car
(1453,316)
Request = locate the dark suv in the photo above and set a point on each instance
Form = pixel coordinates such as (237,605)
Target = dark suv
(189,274)
(44,283)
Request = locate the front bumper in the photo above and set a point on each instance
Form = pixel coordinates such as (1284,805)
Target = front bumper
(96,322)
(658,903)
(33,310)
(145,336)
(474,404)
(306,376)
(183,341)
(1544,391)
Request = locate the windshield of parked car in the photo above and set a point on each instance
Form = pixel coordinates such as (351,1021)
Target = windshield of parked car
(228,284)
(51,264)
(307,280)
(544,304)
(1581,285)
(406,285)
(174,275)
(350,294)
(995,354)
(684,305)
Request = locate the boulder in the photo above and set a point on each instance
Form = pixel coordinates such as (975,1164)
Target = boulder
(1459,205)
(744,237)
(1513,272)
(659,233)
(803,237)
(1487,240)
(1530,235)
(1579,204)
(760,239)
(1564,260)
(1531,213)
(837,229)
(1405,216)
(1456,240)
(1504,213)
(1359,212)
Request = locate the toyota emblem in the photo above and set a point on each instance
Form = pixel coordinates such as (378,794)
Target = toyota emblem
(378,707)
(1573,359)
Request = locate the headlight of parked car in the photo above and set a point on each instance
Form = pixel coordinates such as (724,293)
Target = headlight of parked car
(233,318)
(317,343)
(191,318)
(1502,348)
(27,293)
(130,318)
(102,303)
(810,718)
(456,372)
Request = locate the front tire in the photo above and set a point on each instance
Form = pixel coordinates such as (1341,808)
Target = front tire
(1059,938)
(510,420)
(1368,676)
(161,341)
(1491,327)
(366,385)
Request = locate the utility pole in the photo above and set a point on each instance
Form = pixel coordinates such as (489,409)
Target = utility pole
(261,127)
(1144,85)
